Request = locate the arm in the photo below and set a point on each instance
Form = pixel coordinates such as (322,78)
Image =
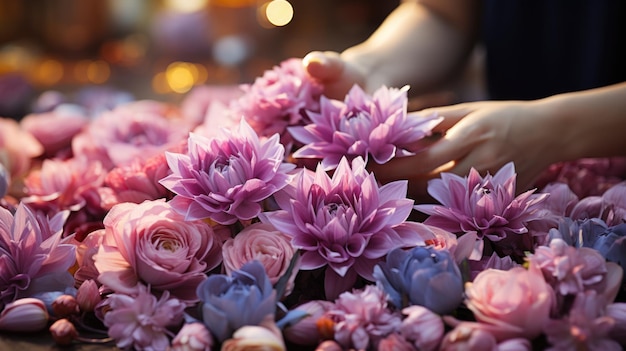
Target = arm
(532,134)
(421,43)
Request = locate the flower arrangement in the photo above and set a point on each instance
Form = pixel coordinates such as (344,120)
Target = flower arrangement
(254,223)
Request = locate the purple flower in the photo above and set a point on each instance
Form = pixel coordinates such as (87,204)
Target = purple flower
(32,258)
(422,327)
(362,318)
(421,276)
(346,222)
(610,206)
(278,99)
(5,181)
(227,178)
(612,244)
(231,302)
(362,125)
(141,321)
(584,328)
(486,205)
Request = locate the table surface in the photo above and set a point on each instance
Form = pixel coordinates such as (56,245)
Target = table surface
(42,341)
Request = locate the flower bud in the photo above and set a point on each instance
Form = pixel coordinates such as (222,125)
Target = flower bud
(305,331)
(193,337)
(329,345)
(65,305)
(265,336)
(63,332)
(24,315)
(88,295)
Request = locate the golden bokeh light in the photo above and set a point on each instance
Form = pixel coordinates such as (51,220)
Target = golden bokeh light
(279,12)
(47,72)
(182,76)
(186,5)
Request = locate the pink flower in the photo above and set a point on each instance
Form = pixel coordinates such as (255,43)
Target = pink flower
(88,295)
(24,315)
(362,125)
(85,250)
(265,336)
(469,336)
(226,179)
(486,205)
(200,99)
(136,182)
(141,321)
(17,148)
(278,99)
(31,252)
(55,130)
(192,337)
(422,327)
(152,244)
(570,270)
(610,206)
(517,301)
(395,342)
(261,242)
(584,328)
(63,332)
(362,318)
(347,223)
(137,130)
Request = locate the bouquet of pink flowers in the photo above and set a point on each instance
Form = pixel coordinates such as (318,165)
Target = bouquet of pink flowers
(250,220)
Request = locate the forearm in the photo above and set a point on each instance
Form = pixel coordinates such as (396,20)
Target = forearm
(589,123)
(420,44)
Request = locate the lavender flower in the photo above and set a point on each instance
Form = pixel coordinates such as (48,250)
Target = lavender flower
(486,205)
(362,125)
(421,276)
(231,302)
(226,179)
(141,321)
(345,222)
(612,244)
(32,258)
(362,318)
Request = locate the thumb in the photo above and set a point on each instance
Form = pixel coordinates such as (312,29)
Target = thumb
(325,66)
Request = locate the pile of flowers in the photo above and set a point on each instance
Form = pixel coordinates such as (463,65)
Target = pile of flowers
(250,220)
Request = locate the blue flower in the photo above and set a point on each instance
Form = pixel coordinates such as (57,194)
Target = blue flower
(421,276)
(612,244)
(231,302)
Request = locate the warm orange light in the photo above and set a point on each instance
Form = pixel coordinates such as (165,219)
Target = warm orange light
(181,76)
(98,72)
(279,12)
(159,84)
(233,3)
(186,5)
(48,72)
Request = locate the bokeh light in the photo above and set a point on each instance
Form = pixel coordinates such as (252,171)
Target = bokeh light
(186,5)
(279,12)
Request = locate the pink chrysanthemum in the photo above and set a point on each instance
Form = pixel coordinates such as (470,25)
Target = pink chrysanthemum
(362,318)
(226,179)
(362,125)
(278,99)
(486,205)
(141,322)
(345,222)
(30,250)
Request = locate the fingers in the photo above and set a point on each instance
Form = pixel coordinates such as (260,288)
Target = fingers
(324,66)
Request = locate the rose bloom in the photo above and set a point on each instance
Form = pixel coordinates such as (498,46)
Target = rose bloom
(152,244)
(136,130)
(261,242)
(517,301)
(266,336)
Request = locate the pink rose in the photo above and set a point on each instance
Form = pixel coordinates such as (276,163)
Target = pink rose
(55,130)
(265,336)
(150,243)
(17,148)
(261,242)
(517,301)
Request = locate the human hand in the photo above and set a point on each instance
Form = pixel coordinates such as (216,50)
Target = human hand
(337,74)
(483,135)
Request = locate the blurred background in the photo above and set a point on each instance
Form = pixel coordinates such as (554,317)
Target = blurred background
(162,49)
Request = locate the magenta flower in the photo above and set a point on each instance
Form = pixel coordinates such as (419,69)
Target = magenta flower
(486,205)
(141,321)
(55,129)
(32,258)
(362,125)
(362,318)
(278,99)
(226,179)
(346,222)
(150,243)
(137,130)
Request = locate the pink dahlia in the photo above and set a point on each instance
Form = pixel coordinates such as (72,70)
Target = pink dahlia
(55,129)
(137,130)
(347,223)
(32,258)
(278,99)
(486,205)
(362,125)
(141,321)
(227,178)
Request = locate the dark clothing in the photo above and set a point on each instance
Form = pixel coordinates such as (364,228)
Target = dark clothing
(537,48)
